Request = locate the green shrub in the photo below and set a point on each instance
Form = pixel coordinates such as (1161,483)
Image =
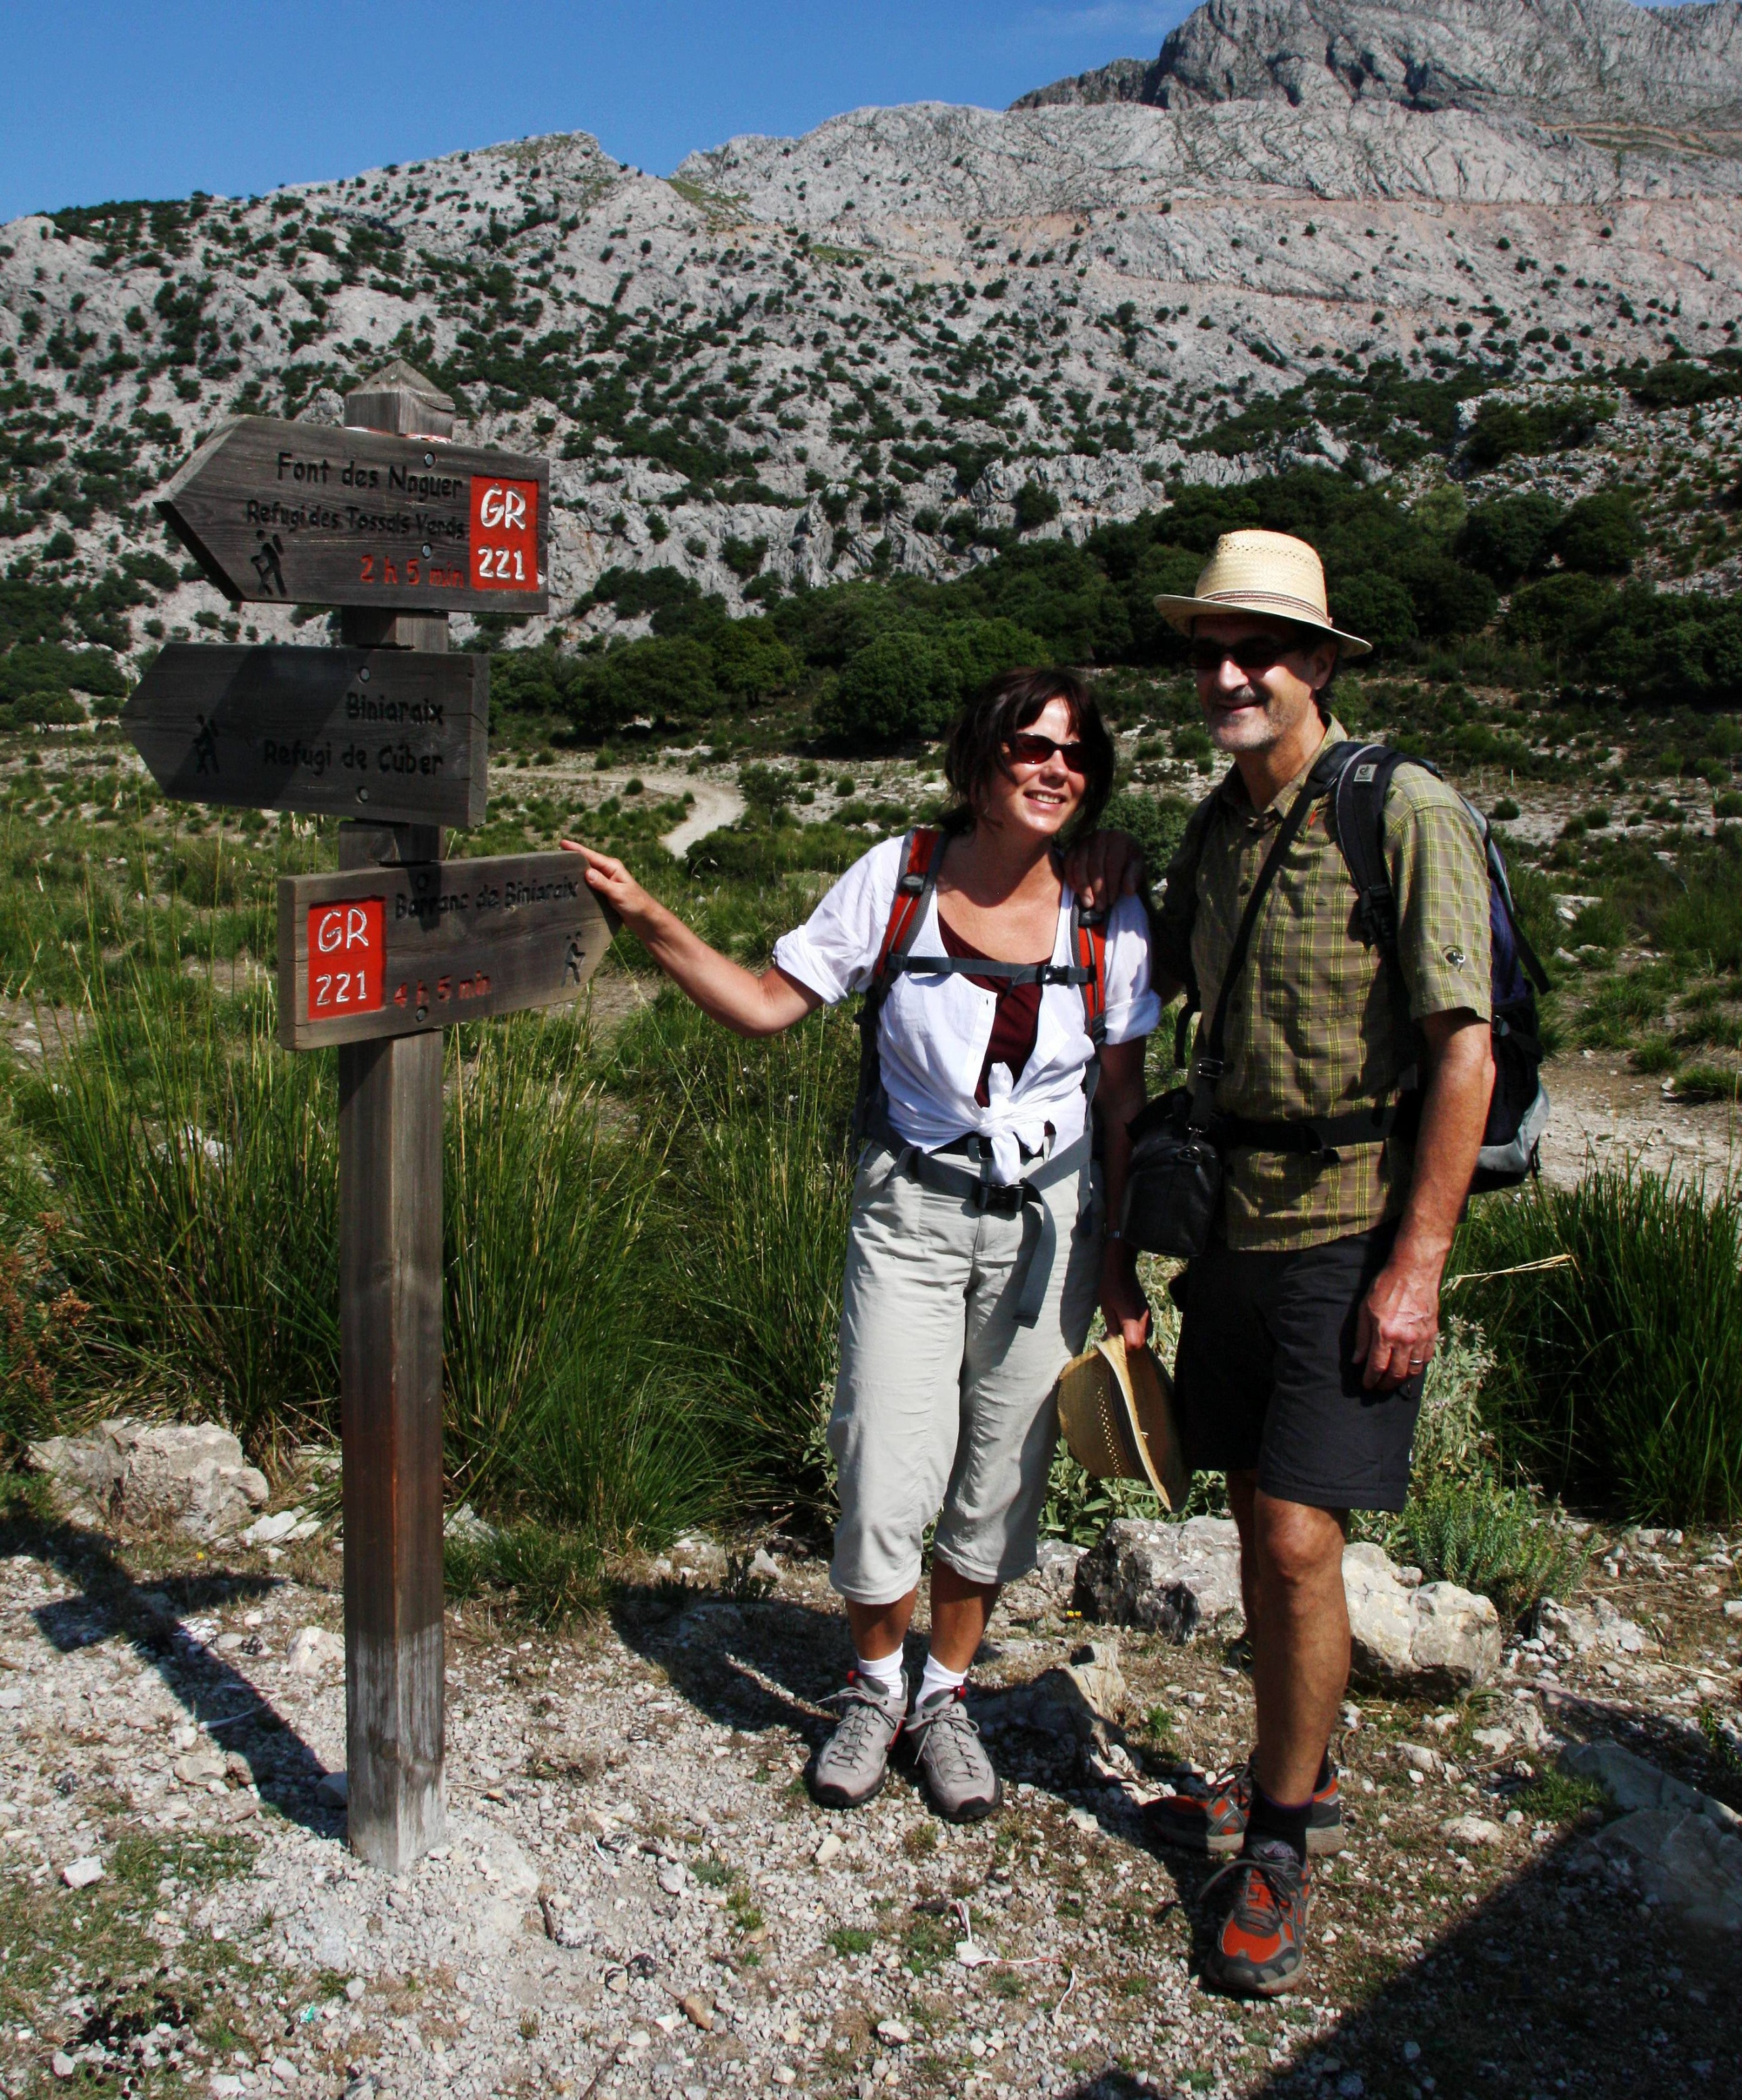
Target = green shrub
(1494,1540)
(1622,1379)
(1599,535)
(1510,537)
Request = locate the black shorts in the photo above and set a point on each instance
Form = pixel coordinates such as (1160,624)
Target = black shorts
(1266,1377)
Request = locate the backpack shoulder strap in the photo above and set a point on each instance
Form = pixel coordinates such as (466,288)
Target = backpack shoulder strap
(1360,775)
(1089,953)
(921,855)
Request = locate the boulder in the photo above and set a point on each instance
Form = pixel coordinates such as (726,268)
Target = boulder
(1435,1638)
(1683,1862)
(1176,1579)
(1183,1579)
(1632,1782)
(192,1474)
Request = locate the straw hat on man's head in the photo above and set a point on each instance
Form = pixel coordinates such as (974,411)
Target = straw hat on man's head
(1115,1407)
(1269,573)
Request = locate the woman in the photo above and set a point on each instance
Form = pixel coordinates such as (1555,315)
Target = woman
(976,1250)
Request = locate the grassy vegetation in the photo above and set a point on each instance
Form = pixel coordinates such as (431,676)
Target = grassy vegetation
(1620,1383)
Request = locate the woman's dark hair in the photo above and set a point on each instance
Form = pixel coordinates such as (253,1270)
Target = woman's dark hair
(1014,702)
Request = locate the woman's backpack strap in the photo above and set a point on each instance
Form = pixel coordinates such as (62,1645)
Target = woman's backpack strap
(1089,953)
(920,856)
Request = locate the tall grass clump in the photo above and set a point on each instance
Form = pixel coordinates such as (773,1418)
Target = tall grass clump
(568,1393)
(753,1228)
(190,1169)
(1620,1380)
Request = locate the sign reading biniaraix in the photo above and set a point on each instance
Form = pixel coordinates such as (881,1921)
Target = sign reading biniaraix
(303,513)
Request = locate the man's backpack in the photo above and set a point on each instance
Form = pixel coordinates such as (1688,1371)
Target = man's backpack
(1357,778)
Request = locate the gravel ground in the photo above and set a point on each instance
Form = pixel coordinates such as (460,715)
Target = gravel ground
(637,1896)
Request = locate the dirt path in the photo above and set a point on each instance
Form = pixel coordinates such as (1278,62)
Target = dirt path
(715,806)
(1606,1113)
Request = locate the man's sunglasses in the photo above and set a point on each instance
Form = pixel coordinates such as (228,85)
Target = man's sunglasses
(1251,652)
(1030,748)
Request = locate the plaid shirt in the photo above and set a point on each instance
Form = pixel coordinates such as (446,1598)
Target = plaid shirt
(1316,1029)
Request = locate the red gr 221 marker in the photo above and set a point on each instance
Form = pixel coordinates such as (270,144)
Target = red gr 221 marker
(504,534)
(346,958)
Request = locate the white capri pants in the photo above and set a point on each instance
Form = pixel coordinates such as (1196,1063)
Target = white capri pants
(944,1405)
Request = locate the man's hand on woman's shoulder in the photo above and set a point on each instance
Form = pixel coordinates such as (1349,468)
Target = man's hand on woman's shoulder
(1103,867)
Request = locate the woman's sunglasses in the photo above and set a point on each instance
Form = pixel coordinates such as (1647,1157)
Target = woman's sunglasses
(1251,652)
(1029,748)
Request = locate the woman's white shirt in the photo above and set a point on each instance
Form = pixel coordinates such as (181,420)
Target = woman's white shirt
(934,1031)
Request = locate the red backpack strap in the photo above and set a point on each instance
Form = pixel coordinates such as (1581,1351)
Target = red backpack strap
(919,855)
(1090,943)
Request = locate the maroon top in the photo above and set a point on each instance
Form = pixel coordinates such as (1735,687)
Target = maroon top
(1016,1022)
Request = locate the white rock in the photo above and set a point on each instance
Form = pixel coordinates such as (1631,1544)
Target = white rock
(81,1873)
(1055,1564)
(200,1766)
(672,1877)
(269,1530)
(194,1473)
(63,2065)
(311,1648)
(1437,1638)
(1176,1579)
(893,2032)
(831,1848)
(225,2085)
(1496,1741)
(1472,1830)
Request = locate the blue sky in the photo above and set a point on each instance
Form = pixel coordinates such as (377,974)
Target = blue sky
(159,97)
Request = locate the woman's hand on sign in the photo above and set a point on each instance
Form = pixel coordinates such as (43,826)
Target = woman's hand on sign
(1123,1304)
(616,884)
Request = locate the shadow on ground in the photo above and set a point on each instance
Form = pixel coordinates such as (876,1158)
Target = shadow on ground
(149,1618)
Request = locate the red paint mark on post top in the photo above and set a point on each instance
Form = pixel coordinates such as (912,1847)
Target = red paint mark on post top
(504,534)
(346,958)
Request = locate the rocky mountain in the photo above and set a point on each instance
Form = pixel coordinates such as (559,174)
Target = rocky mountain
(1311,231)
(1585,63)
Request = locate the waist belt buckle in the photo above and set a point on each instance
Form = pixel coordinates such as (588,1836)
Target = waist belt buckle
(1003,1201)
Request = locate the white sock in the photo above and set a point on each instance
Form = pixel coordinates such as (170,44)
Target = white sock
(884,1675)
(937,1678)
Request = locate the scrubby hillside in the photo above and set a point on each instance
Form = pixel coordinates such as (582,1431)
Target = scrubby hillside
(917,336)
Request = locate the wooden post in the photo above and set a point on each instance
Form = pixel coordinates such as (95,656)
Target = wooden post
(390,1253)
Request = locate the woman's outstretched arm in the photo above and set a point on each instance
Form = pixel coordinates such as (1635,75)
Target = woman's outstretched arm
(738,998)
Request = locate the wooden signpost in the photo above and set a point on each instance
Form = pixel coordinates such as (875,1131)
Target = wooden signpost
(296,513)
(390,734)
(398,526)
(392,951)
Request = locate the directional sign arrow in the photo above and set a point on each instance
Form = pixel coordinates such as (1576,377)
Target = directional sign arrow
(394,951)
(306,514)
(394,735)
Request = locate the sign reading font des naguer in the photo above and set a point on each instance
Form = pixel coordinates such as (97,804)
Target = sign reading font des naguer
(305,514)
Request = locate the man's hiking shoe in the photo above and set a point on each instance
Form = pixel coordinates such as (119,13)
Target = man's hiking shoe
(957,1772)
(1210,1814)
(1259,1947)
(850,1766)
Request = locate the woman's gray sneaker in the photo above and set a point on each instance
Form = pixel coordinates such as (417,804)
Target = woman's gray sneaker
(850,1766)
(958,1773)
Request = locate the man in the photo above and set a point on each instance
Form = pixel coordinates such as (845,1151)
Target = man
(1309,1320)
